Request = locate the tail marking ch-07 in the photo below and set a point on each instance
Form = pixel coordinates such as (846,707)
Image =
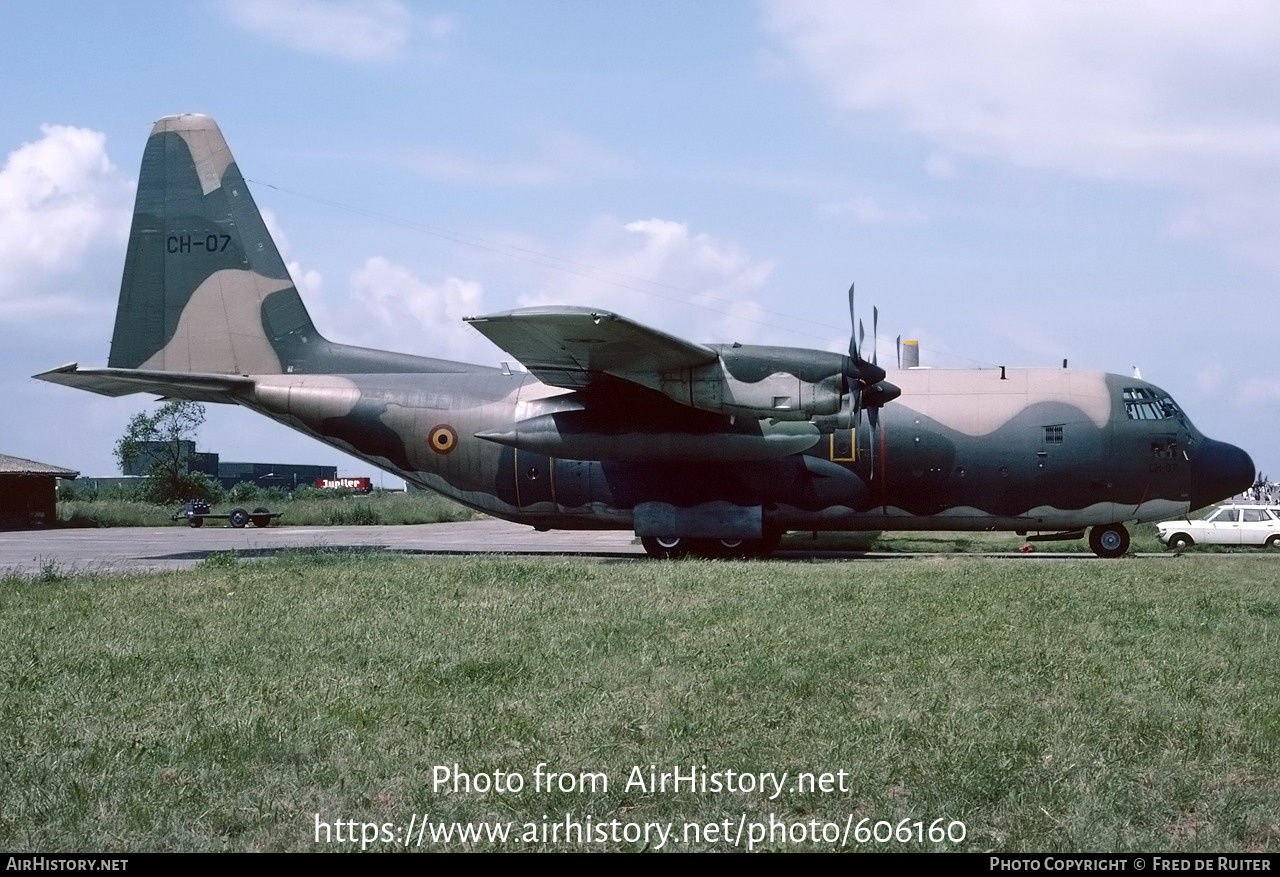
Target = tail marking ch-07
(710,449)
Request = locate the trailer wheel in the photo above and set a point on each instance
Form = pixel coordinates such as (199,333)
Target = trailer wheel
(261,517)
(238,518)
(193,521)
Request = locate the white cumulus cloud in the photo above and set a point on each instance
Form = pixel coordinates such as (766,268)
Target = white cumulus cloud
(413,315)
(1175,95)
(362,31)
(62,203)
(658,272)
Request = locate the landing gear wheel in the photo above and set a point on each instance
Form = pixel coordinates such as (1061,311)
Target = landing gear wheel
(1180,541)
(665,547)
(238,518)
(724,549)
(1109,540)
(261,517)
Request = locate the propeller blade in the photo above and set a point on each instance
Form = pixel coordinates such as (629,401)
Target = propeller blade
(875,334)
(865,381)
(853,349)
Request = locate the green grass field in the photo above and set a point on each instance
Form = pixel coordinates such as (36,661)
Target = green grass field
(1047,706)
(302,508)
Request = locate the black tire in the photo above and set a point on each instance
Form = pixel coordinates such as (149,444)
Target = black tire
(261,517)
(1179,541)
(238,518)
(665,547)
(193,521)
(1273,541)
(721,549)
(1109,540)
(734,549)
(769,544)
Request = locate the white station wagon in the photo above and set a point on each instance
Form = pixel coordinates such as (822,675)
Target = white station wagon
(1225,525)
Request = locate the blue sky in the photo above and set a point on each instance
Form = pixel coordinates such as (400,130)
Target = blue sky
(1012,184)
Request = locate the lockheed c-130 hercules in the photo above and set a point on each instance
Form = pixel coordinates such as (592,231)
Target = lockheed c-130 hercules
(703,449)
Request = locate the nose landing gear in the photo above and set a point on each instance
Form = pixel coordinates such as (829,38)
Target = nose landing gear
(1109,540)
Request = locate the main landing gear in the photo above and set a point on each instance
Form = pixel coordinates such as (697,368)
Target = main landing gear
(674,547)
(1109,540)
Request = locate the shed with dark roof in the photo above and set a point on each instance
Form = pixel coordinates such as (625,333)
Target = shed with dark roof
(28,493)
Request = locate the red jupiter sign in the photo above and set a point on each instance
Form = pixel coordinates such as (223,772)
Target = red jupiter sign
(364,485)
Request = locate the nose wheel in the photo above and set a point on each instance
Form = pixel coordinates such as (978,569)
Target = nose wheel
(1109,540)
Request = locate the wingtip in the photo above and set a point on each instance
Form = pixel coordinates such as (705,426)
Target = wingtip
(69,368)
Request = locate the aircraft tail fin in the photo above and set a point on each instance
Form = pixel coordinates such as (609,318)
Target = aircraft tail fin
(204,287)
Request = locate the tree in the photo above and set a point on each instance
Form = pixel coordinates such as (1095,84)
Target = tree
(165,441)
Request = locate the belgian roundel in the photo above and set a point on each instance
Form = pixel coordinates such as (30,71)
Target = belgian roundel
(443,439)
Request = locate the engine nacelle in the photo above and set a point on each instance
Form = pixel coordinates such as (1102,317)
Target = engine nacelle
(782,383)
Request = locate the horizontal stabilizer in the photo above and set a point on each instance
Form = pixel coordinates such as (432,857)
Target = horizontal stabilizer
(193,386)
(568,346)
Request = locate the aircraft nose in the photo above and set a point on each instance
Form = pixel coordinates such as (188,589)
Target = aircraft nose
(1219,471)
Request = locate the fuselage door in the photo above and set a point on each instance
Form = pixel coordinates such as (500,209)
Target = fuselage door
(844,446)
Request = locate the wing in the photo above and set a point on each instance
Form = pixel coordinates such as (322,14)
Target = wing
(572,347)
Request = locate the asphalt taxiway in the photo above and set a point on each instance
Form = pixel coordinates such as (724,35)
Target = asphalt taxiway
(120,549)
(154,548)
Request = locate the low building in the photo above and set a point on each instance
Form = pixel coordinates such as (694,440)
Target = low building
(283,475)
(29,493)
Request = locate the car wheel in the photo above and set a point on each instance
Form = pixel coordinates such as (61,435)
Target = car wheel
(238,518)
(665,547)
(1273,541)
(1109,540)
(1179,541)
(261,517)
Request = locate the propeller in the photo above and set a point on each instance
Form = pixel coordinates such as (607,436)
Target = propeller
(865,380)
(875,333)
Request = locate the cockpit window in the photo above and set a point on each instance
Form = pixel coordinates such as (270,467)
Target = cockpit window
(1143,403)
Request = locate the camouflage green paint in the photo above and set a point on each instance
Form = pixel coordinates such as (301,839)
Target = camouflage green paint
(619,425)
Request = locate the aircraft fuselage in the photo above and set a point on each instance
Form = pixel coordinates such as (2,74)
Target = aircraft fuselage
(990,449)
(709,448)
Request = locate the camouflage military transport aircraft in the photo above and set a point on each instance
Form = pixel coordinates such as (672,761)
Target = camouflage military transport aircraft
(703,449)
